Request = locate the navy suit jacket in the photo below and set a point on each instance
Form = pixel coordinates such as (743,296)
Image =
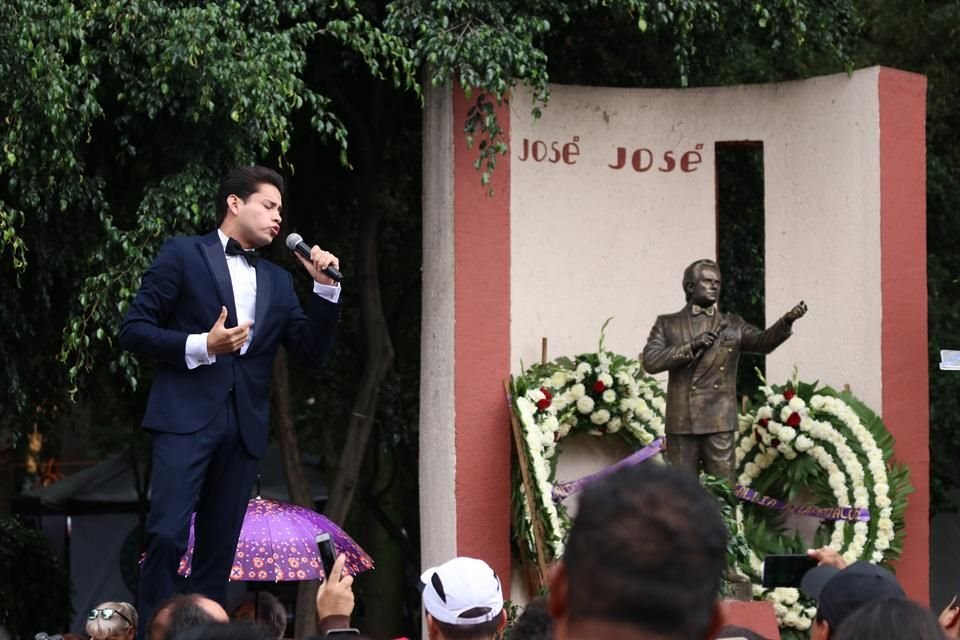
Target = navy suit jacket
(181,294)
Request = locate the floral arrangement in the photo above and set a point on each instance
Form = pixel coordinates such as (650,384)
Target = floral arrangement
(827,448)
(805,444)
(601,394)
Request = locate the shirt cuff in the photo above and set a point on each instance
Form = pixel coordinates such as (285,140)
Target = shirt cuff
(327,291)
(195,353)
(331,622)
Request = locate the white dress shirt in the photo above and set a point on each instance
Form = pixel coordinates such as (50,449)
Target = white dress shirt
(243,277)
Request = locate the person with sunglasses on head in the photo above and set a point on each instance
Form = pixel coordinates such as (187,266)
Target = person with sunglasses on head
(113,620)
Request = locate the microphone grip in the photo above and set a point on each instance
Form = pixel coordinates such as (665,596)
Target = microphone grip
(331,271)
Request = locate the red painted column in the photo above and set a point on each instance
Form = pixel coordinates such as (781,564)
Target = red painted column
(904,290)
(482,350)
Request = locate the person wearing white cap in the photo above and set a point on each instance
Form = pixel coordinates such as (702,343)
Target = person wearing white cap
(463,600)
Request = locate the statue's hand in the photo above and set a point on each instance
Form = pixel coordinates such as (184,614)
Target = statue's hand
(796,313)
(705,340)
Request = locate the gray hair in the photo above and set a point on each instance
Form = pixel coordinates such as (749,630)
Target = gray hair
(99,628)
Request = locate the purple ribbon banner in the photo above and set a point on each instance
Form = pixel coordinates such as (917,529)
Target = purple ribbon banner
(850,514)
(563,490)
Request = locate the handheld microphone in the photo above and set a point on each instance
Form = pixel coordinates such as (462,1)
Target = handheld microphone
(296,244)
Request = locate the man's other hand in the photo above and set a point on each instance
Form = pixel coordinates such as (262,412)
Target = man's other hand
(222,340)
(950,619)
(827,556)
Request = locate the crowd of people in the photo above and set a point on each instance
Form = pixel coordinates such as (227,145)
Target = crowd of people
(644,561)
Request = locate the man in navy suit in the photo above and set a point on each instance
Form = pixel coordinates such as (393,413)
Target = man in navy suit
(212,314)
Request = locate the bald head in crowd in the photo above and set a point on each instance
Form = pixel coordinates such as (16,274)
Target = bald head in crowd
(182,612)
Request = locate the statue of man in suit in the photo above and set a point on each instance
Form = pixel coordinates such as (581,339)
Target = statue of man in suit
(700,348)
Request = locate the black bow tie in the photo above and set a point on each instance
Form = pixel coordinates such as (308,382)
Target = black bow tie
(234,249)
(697,310)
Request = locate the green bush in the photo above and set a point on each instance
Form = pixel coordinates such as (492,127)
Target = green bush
(35,587)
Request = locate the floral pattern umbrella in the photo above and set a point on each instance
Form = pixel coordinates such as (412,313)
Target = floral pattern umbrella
(278,543)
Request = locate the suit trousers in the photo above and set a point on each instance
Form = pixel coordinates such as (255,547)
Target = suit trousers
(686,451)
(208,471)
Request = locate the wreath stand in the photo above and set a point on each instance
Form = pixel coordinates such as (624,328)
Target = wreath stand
(534,569)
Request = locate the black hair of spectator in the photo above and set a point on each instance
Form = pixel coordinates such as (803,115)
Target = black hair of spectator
(223,631)
(534,623)
(647,549)
(889,618)
(268,610)
(469,631)
(733,631)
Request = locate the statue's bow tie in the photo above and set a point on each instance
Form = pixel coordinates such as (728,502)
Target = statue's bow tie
(234,249)
(697,310)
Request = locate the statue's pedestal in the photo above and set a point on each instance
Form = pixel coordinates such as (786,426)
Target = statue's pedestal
(754,615)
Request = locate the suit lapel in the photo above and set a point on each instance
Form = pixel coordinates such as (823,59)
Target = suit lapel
(217,262)
(686,324)
(263,300)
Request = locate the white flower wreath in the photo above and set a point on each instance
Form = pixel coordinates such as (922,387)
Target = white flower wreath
(805,437)
(596,393)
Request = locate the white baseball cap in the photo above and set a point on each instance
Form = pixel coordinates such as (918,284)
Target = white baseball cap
(452,590)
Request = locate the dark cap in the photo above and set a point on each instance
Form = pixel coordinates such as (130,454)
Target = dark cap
(840,592)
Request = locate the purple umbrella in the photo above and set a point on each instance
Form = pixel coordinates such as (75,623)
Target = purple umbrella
(278,543)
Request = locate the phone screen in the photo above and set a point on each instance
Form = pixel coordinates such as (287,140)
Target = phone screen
(328,553)
(786,570)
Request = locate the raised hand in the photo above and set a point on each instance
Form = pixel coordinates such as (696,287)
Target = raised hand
(223,340)
(319,260)
(335,595)
(796,313)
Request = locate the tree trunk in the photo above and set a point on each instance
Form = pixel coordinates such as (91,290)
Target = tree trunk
(377,362)
(306,615)
(7,478)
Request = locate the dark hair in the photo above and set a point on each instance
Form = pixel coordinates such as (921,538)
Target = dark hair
(186,612)
(223,631)
(889,618)
(534,623)
(243,182)
(692,272)
(469,631)
(647,549)
(269,612)
(733,631)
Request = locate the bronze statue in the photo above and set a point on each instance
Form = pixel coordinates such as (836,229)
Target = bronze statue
(700,347)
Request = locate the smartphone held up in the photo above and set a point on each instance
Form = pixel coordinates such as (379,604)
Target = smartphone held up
(786,570)
(328,553)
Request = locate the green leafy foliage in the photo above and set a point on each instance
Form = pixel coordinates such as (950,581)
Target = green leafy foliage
(35,590)
(120,116)
(738,549)
(491,46)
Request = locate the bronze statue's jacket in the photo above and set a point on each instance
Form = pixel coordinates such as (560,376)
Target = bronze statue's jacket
(702,387)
